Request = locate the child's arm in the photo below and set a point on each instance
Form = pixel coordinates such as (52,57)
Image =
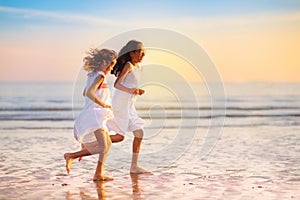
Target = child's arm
(127,68)
(91,92)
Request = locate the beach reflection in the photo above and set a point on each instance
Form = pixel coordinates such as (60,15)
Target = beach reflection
(85,193)
(136,190)
(109,190)
(100,189)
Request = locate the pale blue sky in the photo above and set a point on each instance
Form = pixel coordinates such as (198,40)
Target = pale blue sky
(49,37)
(175,6)
(145,9)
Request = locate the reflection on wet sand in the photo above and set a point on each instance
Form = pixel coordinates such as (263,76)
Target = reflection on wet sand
(107,191)
(84,192)
(136,190)
(100,189)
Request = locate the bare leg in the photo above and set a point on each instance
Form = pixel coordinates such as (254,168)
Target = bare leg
(136,146)
(82,148)
(88,149)
(116,138)
(104,143)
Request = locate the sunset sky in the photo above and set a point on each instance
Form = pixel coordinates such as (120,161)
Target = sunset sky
(257,40)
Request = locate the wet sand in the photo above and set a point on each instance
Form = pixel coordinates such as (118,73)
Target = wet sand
(247,163)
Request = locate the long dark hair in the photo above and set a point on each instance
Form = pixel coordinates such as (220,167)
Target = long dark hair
(124,56)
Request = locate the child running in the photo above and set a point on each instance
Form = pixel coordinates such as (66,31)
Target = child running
(128,71)
(89,125)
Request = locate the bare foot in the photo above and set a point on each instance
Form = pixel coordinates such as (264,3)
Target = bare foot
(102,178)
(69,161)
(139,170)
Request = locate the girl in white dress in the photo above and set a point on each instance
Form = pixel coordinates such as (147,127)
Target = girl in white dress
(128,73)
(89,128)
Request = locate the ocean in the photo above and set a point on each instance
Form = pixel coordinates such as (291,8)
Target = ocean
(242,145)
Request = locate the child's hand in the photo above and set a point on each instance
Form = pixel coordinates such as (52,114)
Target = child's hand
(107,106)
(138,91)
(141,91)
(134,91)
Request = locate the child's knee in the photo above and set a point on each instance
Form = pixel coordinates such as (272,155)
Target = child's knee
(103,149)
(107,145)
(138,134)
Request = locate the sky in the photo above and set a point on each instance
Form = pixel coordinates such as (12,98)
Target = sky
(248,41)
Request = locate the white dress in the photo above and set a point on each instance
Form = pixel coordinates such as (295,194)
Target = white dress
(93,116)
(125,115)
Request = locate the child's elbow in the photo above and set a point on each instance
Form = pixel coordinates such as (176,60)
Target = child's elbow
(89,94)
(116,85)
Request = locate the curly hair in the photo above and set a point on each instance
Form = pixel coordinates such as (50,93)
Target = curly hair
(124,56)
(97,58)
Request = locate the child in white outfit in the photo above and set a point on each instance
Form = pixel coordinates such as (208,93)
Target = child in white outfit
(128,72)
(89,128)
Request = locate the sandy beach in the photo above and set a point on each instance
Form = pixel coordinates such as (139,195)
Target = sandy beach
(250,163)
